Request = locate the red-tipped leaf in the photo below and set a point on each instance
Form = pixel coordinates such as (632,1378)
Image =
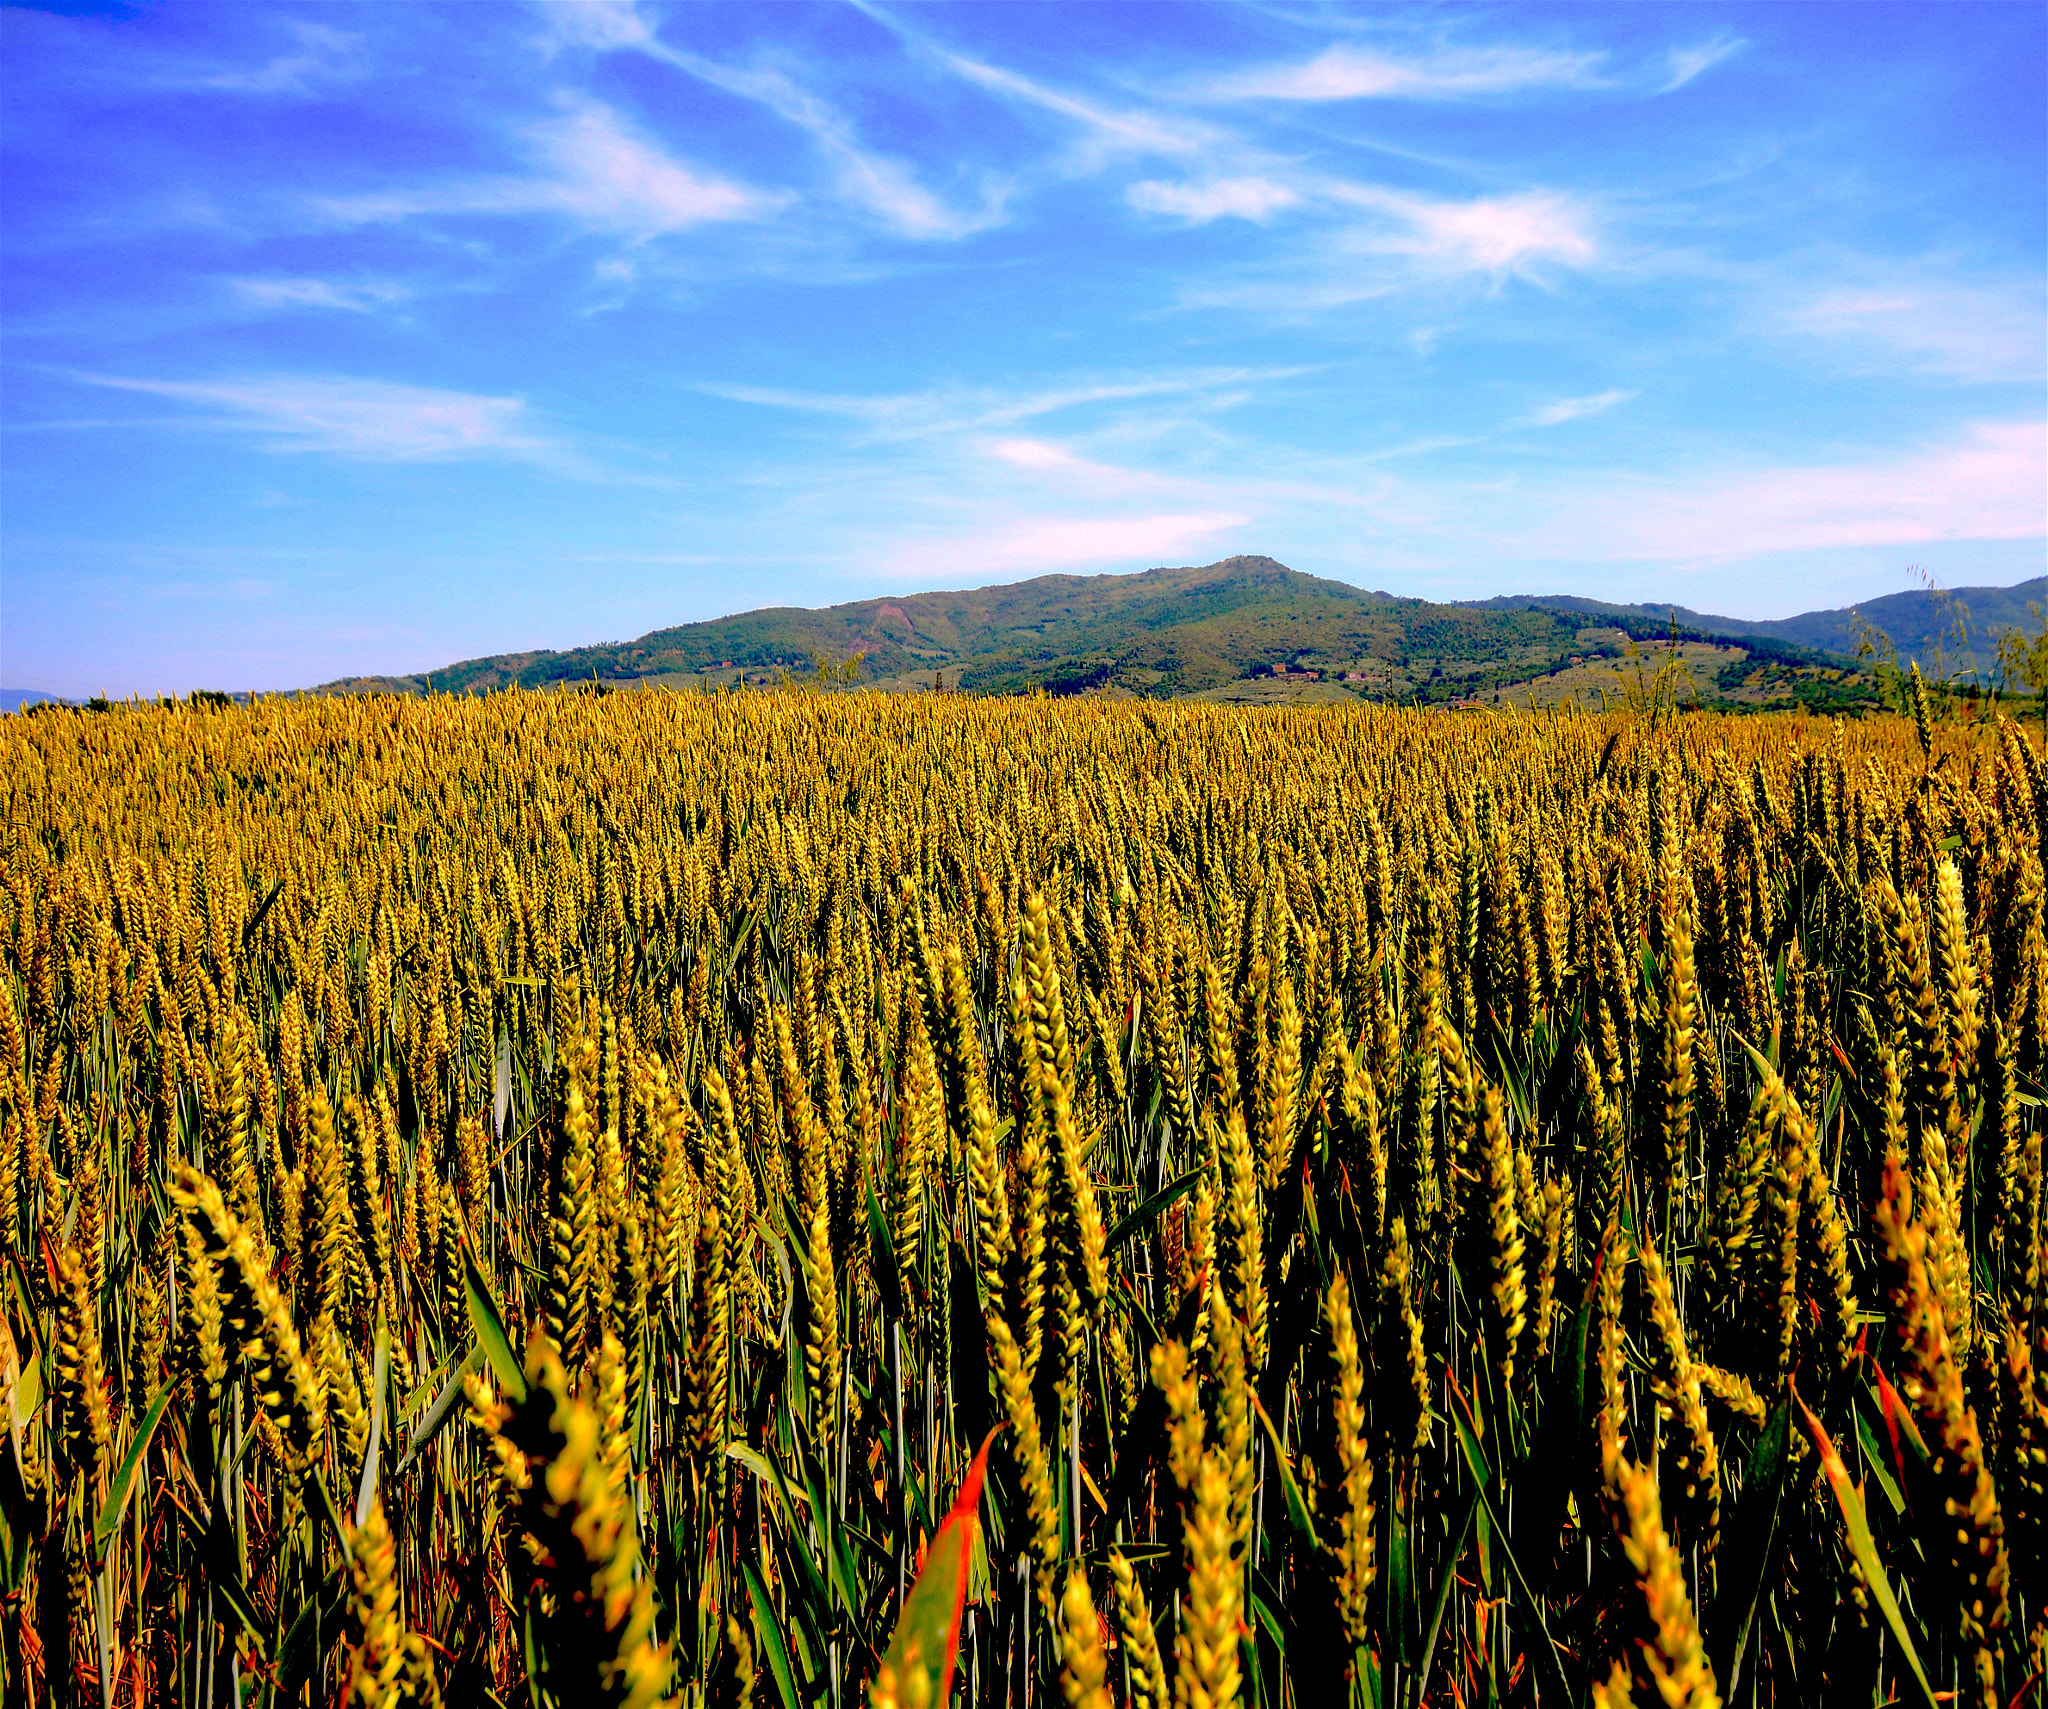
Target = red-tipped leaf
(919,1666)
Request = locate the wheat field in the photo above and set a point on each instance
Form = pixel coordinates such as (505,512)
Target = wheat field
(539,1200)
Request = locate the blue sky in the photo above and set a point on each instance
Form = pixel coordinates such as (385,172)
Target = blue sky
(364,338)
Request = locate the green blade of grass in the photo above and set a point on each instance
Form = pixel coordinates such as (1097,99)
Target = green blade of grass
(1483,1476)
(770,1630)
(109,1520)
(925,1649)
(490,1328)
(1441,1601)
(380,1365)
(1751,1532)
(1153,1208)
(435,1419)
(1297,1507)
(1862,1545)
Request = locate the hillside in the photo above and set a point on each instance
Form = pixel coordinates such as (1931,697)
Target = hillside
(1246,628)
(1921,625)
(1172,631)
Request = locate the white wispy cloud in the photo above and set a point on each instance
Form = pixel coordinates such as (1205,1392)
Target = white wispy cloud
(1252,199)
(1036,454)
(594,169)
(1924,318)
(1347,72)
(321,56)
(1106,130)
(885,186)
(1982,484)
(1683,64)
(599,25)
(354,296)
(1058,468)
(371,420)
(609,174)
(1486,234)
(1492,234)
(1573,409)
(1041,543)
(1397,241)
(882,184)
(1134,130)
(949,410)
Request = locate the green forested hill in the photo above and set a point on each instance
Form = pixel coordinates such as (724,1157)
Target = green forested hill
(1246,627)
(1166,631)
(1921,623)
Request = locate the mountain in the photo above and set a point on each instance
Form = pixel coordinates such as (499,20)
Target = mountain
(1244,628)
(20,699)
(1921,623)
(1162,632)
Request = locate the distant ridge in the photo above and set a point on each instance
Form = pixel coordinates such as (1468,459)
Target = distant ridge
(1914,620)
(1209,629)
(14,699)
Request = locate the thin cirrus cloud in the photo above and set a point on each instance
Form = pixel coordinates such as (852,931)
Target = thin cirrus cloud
(885,186)
(593,169)
(1483,234)
(1059,469)
(378,421)
(945,410)
(1984,484)
(1108,129)
(323,57)
(1254,199)
(1105,130)
(1575,409)
(1347,72)
(352,296)
(1039,543)
(1977,332)
(1042,455)
(1487,234)
(1398,243)
(1683,64)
